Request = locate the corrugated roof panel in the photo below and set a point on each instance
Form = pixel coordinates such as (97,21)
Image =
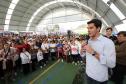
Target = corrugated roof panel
(4,3)
(114,18)
(2,15)
(1,21)
(120,6)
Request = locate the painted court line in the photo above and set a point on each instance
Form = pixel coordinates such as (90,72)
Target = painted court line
(53,73)
(36,78)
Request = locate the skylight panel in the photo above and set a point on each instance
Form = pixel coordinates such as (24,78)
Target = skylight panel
(8,17)
(15,1)
(59,1)
(105,1)
(7,21)
(117,11)
(121,27)
(114,8)
(12,6)
(10,11)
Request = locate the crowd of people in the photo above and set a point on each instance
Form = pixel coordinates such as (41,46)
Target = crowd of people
(102,52)
(26,53)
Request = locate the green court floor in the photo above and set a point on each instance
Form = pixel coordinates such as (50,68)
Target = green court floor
(54,73)
(57,73)
(61,73)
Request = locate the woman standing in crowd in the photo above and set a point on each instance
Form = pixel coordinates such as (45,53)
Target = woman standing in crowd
(82,51)
(67,51)
(40,57)
(7,61)
(74,51)
(33,53)
(60,50)
(1,62)
(15,58)
(77,41)
(45,49)
(52,47)
(25,60)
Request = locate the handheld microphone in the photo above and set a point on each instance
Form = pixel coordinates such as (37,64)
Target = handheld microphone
(87,38)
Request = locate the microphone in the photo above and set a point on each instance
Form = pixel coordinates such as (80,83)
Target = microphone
(87,38)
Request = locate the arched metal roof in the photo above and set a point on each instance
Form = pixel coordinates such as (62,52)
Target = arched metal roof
(25,9)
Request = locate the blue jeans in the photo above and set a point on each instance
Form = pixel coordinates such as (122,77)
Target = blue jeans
(92,81)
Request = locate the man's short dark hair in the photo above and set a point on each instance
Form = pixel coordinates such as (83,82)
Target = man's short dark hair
(109,28)
(96,22)
(123,33)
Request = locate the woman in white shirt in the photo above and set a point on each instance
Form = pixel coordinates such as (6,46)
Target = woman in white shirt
(40,57)
(25,60)
(53,49)
(45,49)
(74,51)
(66,51)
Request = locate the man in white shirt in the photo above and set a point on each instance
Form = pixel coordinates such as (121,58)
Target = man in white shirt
(100,54)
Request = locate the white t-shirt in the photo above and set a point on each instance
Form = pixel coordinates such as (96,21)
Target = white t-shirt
(39,56)
(74,49)
(25,57)
(45,47)
(52,46)
(79,46)
(16,56)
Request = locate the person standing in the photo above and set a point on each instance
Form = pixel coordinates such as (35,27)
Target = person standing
(45,50)
(120,69)
(25,60)
(74,51)
(40,57)
(110,36)
(52,48)
(59,49)
(67,51)
(7,54)
(100,54)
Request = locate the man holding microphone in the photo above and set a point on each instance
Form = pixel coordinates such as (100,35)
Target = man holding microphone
(100,54)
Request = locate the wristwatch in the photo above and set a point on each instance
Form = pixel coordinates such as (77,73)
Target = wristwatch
(94,53)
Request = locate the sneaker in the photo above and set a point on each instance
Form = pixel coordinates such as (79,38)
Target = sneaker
(41,67)
(81,61)
(75,63)
(62,60)
(44,64)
